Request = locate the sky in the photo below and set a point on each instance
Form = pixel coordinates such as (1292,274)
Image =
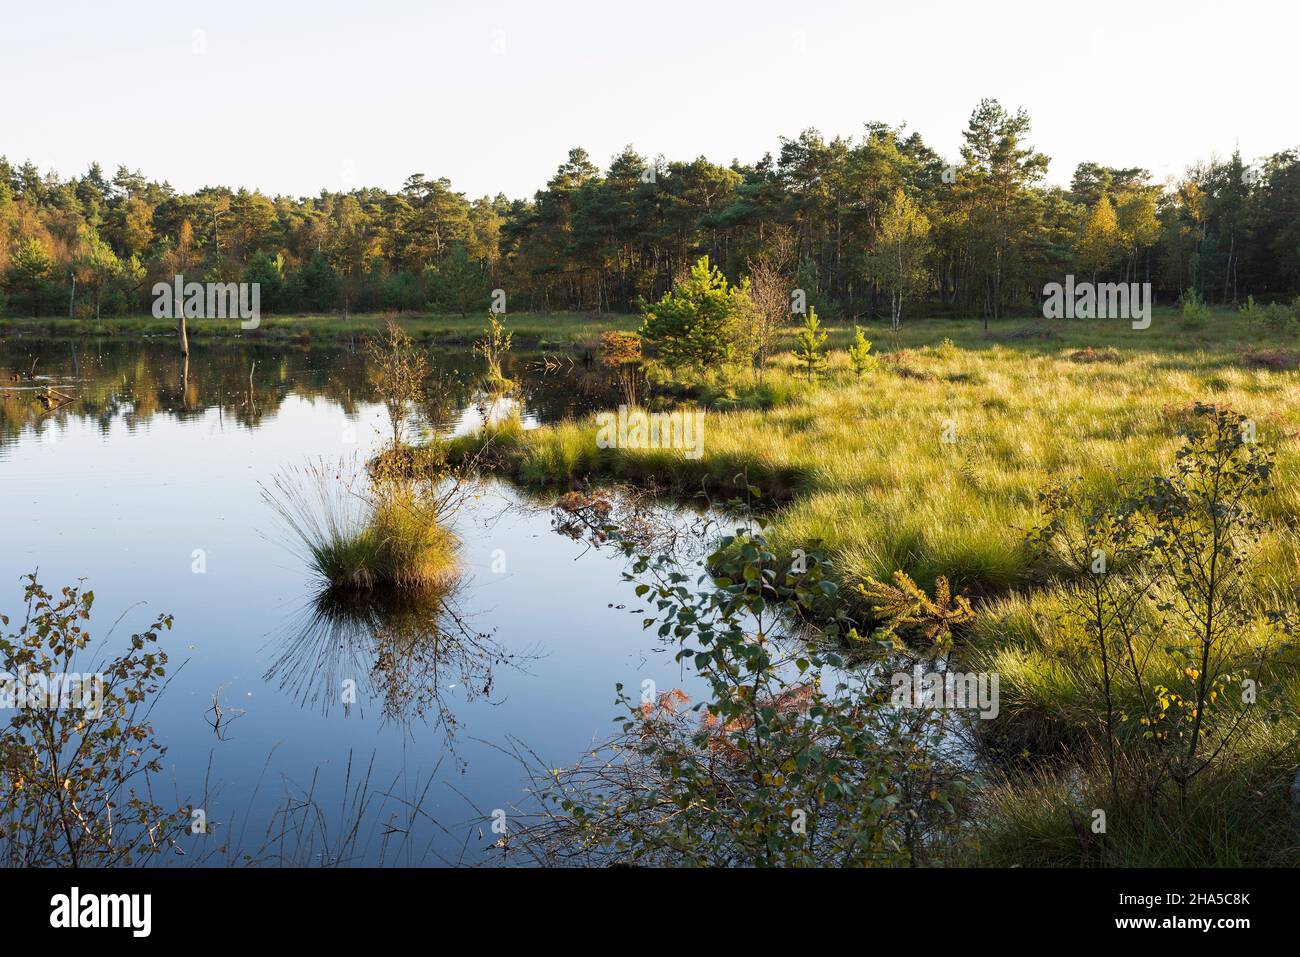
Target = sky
(295,97)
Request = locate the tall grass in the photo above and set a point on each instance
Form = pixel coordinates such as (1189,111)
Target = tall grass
(416,551)
(932,464)
(358,534)
(1043,816)
(873,483)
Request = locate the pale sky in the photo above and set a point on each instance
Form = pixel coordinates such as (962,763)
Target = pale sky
(291,97)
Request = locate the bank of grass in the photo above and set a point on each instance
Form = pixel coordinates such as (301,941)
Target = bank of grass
(566,452)
(531,329)
(859,469)
(862,470)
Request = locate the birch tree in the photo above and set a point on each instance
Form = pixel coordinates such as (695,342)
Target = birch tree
(897,263)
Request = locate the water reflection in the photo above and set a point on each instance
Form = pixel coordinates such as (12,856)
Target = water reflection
(415,655)
(133,381)
(154,462)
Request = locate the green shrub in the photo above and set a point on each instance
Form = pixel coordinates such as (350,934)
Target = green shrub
(493,348)
(698,322)
(779,770)
(75,776)
(1194,311)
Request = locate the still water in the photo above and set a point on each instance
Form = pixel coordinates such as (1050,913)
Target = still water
(147,484)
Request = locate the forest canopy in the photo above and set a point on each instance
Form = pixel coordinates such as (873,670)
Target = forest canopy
(859,222)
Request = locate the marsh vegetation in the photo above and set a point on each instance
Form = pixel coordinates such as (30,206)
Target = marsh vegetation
(924,472)
(1113,509)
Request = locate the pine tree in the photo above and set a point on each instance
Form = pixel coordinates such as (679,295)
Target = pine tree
(808,343)
(699,322)
(860,356)
(29,269)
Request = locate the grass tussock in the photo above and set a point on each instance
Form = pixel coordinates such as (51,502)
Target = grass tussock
(1051,697)
(364,535)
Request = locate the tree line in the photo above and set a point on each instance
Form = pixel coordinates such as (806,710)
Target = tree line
(867,226)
